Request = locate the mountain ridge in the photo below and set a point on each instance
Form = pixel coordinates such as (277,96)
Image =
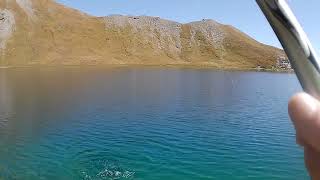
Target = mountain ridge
(43,32)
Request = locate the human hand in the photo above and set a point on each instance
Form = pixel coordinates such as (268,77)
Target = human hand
(304,111)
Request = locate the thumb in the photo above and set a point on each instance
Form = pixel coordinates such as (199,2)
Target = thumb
(312,161)
(304,111)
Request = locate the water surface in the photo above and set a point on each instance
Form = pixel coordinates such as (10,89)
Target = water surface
(146,124)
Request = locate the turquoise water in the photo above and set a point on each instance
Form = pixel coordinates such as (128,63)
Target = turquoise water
(146,124)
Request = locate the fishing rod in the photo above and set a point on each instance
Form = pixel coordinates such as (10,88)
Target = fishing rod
(295,43)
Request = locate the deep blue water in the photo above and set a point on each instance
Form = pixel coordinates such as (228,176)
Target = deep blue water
(146,124)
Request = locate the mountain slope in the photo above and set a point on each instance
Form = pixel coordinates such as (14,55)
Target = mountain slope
(34,32)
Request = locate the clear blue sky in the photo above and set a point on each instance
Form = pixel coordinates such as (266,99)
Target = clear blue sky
(243,14)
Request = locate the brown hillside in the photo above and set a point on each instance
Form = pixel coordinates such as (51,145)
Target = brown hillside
(34,32)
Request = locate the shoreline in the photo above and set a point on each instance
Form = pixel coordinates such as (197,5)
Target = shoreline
(186,66)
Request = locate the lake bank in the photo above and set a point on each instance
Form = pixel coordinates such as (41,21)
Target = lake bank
(187,66)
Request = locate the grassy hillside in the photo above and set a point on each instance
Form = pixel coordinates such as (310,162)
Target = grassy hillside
(43,32)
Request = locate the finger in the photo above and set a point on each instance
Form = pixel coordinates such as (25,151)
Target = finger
(304,111)
(312,161)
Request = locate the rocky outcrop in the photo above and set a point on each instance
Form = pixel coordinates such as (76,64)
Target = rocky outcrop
(43,32)
(7,26)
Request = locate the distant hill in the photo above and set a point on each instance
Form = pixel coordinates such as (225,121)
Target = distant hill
(43,32)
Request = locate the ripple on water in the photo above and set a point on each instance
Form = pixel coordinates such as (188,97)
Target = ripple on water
(106,170)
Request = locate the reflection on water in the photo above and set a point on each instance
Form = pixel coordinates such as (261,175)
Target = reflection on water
(5,99)
(146,123)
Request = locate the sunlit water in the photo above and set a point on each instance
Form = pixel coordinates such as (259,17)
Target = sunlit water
(146,124)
